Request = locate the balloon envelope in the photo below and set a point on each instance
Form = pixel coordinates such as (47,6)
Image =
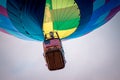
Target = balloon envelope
(31,19)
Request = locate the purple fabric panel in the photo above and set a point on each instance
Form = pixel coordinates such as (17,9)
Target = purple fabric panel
(4,31)
(112,13)
(3,11)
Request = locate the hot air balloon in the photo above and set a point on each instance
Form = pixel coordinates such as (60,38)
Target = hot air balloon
(68,19)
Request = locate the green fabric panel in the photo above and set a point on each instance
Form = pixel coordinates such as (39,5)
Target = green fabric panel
(65,13)
(49,4)
(56,4)
(65,18)
(65,25)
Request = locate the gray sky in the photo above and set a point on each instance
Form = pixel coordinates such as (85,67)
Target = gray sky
(95,56)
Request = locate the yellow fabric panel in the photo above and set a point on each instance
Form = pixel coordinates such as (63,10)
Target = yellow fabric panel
(48,27)
(65,33)
(47,24)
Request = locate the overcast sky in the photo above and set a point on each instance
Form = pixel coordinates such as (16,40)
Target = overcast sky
(95,56)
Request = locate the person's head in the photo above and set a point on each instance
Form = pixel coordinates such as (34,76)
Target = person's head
(51,33)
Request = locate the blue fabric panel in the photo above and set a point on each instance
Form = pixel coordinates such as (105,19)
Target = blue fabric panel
(6,25)
(3,3)
(27,17)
